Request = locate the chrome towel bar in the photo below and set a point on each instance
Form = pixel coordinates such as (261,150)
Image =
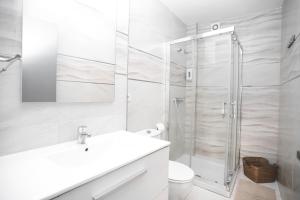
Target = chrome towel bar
(8,60)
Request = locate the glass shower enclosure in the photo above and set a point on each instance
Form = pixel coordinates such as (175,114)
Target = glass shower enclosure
(204,103)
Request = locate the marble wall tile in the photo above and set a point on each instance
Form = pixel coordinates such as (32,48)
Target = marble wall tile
(123,16)
(143,66)
(290,63)
(121,53)
(260,36)
(80,80)
(10,88)
(72,91)
(177,121)
(289,121)
(86,71)
(259,125)
(192,29)
(296,186)
(290,25)
(51,123)
(214,50)
(177,75)
(289,139)
(261,73)
(190,111)
(151,25)
(214,75)
(211,127)
(20,138)
(145,105)
(179,53)
(214,61)
(10,27)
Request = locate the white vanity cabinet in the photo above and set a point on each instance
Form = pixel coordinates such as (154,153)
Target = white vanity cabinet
(144,179)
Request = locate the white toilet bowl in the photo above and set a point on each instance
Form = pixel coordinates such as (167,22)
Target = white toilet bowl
(180,175)
(180,180)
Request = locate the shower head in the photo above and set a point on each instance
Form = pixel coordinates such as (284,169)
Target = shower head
(181,50)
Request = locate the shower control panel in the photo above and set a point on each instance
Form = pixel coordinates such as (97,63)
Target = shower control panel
(189,74)
(298,155)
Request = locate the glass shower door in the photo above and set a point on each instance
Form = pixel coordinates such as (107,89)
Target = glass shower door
(213,125)
(233,150)
(233,145)
(204,109)
(181,111)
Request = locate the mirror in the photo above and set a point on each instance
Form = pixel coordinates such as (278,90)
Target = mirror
(68,50)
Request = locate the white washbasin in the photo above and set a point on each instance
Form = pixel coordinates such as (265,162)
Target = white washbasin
(94,152)
(70,163)
(97,151)
(82,155)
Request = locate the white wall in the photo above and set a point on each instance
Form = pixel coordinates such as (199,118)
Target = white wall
(289,118)
(30,125)
(151,25)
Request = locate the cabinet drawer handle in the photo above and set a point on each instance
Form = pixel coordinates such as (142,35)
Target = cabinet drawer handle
(119,184)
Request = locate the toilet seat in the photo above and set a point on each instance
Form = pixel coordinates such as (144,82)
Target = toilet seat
(180,173)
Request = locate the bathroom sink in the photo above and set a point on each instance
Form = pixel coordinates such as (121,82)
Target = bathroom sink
(98,151)
(73,164)
(76,157)
(82,155)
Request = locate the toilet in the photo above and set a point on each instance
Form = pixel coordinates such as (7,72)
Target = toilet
(180,175)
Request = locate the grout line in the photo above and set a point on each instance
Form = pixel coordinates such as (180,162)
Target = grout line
(127,68)
(287,81)
(259,86)
(91,60)
(141,51)
(119,73)
(86,82)
(141,80)
(174,85)
(124,34)
(132,79)
(177,64)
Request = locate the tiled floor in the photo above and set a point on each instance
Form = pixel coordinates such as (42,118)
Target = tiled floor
(202,194)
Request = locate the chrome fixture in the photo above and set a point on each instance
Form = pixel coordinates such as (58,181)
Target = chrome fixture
(82,134)
(205,35)
(8,60)
(182,50)
(292,40)
(177,100)
(215,26)
(224,110)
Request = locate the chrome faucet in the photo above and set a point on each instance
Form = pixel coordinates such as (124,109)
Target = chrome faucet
(82,134)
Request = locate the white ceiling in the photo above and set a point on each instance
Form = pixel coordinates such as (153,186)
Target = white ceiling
(206,11)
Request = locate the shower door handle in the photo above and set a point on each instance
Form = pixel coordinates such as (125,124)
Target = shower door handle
(224,110)
(234,109)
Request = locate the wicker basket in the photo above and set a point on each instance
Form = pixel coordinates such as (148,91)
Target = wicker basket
(259,169)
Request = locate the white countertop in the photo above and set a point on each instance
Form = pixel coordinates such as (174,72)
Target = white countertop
(33,174)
